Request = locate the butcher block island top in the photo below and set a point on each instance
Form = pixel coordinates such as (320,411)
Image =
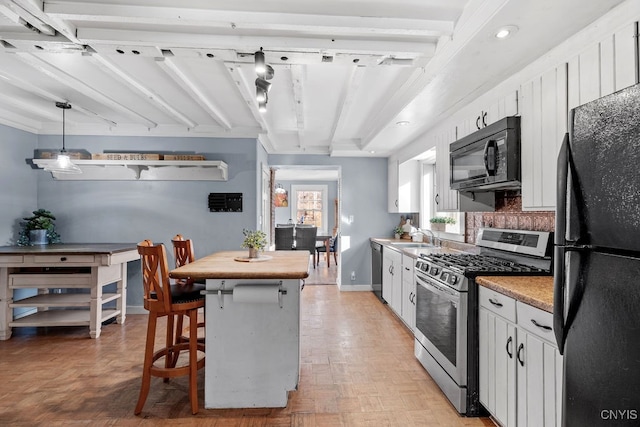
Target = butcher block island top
(223,265)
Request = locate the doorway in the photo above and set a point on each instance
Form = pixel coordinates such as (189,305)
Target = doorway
(293,181)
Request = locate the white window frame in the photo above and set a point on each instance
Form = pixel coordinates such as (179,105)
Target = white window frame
(293,203)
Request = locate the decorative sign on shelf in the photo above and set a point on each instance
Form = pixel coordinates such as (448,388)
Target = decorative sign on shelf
(225,202)
(126,156)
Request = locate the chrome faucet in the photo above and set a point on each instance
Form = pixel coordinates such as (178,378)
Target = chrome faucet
(432,237)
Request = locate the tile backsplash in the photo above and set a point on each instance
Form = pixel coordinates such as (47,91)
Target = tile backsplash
(508,214)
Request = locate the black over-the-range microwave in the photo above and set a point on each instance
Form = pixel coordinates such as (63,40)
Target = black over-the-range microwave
(488,159)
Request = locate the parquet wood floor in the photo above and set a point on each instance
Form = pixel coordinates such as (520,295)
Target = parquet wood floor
(357,369)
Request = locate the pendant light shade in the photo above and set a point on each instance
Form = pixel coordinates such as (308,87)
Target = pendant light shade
(63,163)
(259,63)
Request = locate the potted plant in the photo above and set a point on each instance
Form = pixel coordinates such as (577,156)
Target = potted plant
(397,232)
(439,223)
(255,240)
(38,229)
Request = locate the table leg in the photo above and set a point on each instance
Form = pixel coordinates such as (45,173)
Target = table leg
(6,296)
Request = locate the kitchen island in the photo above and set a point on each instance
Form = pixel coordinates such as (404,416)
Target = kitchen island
(252,327)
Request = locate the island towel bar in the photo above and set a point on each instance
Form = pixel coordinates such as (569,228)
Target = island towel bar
(222,291)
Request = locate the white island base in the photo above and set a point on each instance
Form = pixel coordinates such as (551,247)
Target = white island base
(252,342)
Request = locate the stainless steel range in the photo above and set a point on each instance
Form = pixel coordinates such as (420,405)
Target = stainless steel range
(446,334)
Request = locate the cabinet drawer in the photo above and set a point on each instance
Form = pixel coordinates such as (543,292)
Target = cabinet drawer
(10,259)
(50,281)
(498,303)
(54,260)
(536,321)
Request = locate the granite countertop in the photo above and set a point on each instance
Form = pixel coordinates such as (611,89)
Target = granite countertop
(222,265)
(533,290)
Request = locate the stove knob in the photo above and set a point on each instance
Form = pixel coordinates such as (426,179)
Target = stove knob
(454,279)
(434,271)
(444,276)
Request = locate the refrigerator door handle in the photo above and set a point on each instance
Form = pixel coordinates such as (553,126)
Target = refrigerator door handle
(559,286)
(561,192)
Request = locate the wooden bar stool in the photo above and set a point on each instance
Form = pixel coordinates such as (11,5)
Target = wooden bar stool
(162,299)
(184,254)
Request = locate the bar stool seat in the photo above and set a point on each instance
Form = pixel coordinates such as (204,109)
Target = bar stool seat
(162,299)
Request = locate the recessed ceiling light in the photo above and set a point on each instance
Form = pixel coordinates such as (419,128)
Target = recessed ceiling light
(505,32)
(402,123)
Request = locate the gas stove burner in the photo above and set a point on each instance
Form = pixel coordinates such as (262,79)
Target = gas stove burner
(480,263)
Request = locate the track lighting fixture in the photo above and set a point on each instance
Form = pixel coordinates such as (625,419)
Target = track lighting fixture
(265,72)
(259,62)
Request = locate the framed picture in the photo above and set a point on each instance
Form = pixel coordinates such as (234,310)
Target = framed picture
(282,199)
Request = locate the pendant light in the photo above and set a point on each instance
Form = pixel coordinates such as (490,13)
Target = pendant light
(63,163)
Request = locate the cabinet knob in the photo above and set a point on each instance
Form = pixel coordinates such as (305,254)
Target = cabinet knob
(63,258)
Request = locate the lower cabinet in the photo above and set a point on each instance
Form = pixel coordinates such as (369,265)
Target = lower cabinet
(520,366)
(408,292)
(392,278)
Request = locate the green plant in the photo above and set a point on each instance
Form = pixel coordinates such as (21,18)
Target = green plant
(41,219)
(398,230)
(256,239)
(442,220)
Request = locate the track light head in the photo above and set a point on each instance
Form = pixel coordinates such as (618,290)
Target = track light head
(263,84)
(261,95)
(262,107)
(259,62)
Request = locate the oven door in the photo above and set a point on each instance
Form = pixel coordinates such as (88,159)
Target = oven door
(441,325)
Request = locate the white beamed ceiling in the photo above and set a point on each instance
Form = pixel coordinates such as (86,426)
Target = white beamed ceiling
(346,71)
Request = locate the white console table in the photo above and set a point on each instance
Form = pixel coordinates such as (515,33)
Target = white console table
(89,266)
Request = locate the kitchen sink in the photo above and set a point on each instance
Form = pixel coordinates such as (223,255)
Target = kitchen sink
(413,245)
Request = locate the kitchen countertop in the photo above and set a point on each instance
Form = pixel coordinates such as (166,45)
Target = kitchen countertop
(222,265)
(398,244)
(533,290)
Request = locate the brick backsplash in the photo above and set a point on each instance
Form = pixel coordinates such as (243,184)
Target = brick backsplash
(508,214)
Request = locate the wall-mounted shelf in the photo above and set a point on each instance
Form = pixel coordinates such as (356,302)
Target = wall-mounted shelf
(142,170)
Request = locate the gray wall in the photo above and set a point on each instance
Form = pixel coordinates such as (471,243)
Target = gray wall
(364,195)
(131,211)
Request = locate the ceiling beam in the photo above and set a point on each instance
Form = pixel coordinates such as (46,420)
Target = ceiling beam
(179,75)
(78,85)
(297,82)
(167,39)
(335,24)
(35,9)
(143,89)
(349,90)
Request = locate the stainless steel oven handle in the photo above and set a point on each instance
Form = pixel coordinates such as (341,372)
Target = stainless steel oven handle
(449,294)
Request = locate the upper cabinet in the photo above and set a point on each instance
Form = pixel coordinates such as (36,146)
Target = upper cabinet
(488,114)
(545,102)
(142,170)
(446,199)
(404,186)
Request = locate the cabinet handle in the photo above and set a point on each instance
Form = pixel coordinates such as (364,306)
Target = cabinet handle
(63,258)
(509,350)
(495,302)
(520,349)
(545,327)
(437,199)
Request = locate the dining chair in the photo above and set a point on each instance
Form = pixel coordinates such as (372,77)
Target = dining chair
(306,240)
(333,248)
(284,238)
(183,253)
(163,299)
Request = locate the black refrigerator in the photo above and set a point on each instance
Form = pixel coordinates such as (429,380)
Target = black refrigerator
(597,262)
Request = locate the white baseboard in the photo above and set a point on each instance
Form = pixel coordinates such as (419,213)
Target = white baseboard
(357,288)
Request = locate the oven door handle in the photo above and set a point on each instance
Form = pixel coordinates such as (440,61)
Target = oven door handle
(452,295)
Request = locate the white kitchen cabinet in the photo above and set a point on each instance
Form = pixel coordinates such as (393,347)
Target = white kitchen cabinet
(539,366)
(408,292)
(520,366)
(486,114)
(497,333)
(392,185)
(543,125)
(392,279)
(604,67)
(403,186)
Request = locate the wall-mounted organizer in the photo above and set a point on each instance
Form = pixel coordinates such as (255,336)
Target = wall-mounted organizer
(225,202)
